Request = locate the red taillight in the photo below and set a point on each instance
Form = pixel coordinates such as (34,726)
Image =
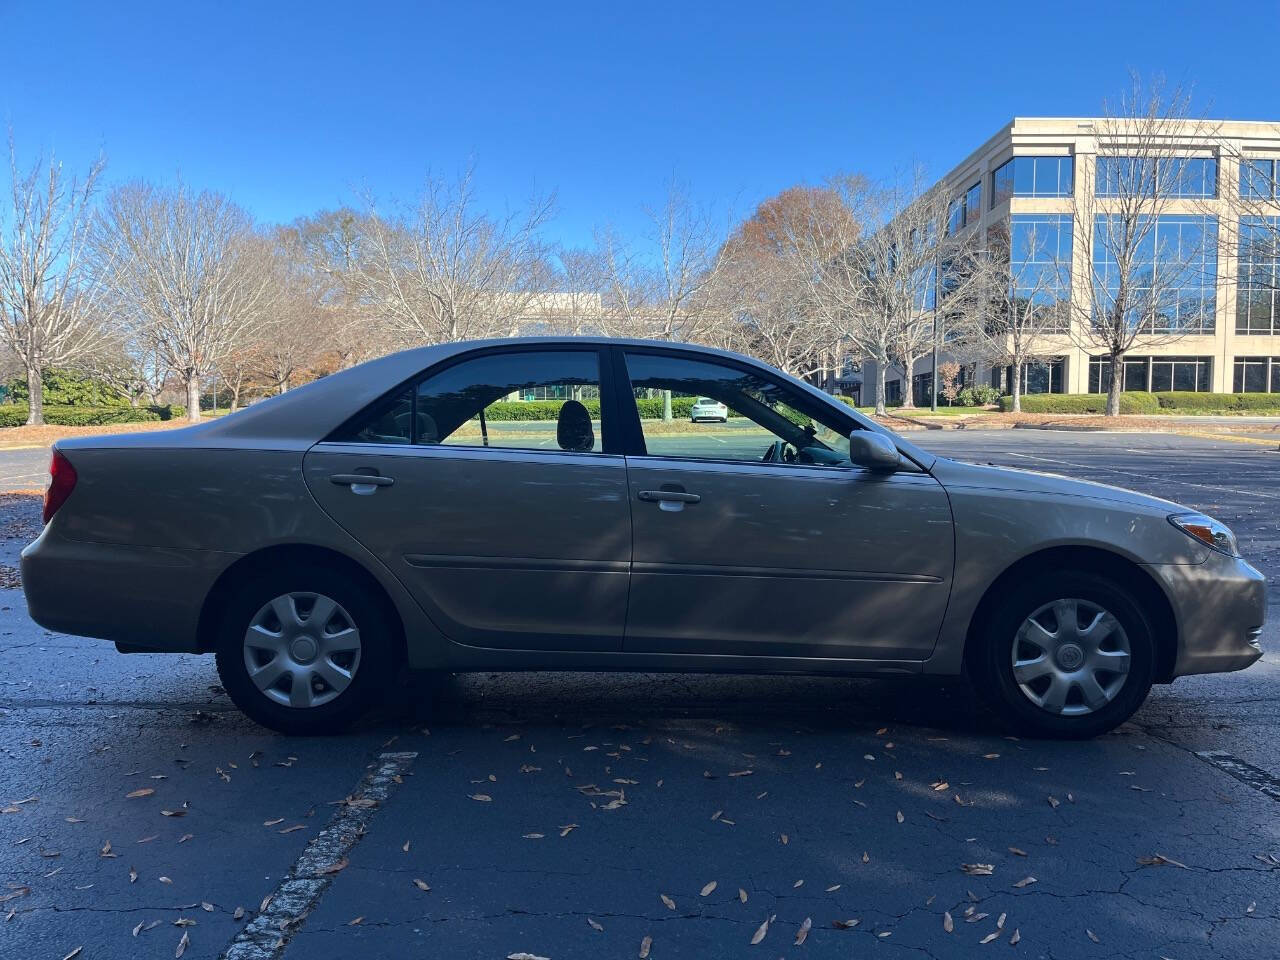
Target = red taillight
(62,481)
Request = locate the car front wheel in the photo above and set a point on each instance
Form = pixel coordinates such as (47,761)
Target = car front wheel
(304,651)
(1066,655)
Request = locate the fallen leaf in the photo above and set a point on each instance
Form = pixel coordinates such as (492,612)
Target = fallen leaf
(73,953)
(165,880)
(708,889)
(182,945)
(535,836)
(667,901)
(845,924)
(594,925)
(133,875)
(144,792)
(272,823)
(834,887)
(1161,860)
(990,936)
(760,933)
(1053,802)
(1017,852)
(803,932)
(784,839)
(524,956)
(180,812)
(238,914)
(978,869)
(106,850)
(355,922)
(564,831)
(899,817)
(948,924)
(296,826)
(184,922)
(185,837)
(645,944)
(482,797)
(742,895)
(333,868)
(1092,936)
(1025,882)
(1017,936)
(422,885)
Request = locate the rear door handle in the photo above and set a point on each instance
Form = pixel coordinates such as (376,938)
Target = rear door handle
(361,484)
(669,496)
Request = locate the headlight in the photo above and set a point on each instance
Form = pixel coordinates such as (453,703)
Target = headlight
(1210,532)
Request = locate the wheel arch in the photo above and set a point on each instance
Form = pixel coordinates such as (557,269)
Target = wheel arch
(1126,574)
(275,557)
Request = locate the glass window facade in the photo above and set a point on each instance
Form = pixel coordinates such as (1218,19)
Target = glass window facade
(1032,177)
(1173,279)
(1043,376)
(1168,176)
(1258,276)
(1258,179)
(1153,373)
(965,209)
(1040,264)
(973,204)
(1257,375)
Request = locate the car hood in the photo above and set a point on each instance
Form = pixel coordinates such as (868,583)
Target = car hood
(954,474)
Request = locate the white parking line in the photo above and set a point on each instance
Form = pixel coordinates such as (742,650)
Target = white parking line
(267,935)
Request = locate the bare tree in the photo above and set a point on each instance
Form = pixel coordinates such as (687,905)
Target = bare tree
(444,271)
(871,263)
(187,273)
(47,316)
(667,287)
(1017,301)
(1135,281)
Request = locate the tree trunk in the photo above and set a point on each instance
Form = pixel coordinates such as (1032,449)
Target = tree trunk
(193,397)
(35,397)
(880,378)
(666,405)
(235,397)
(908,382)
(1113,393)
(1016,390)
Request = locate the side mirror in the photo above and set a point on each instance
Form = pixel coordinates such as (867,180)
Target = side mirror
(874,451)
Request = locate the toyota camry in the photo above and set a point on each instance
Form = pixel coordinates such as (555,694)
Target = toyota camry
(524,505)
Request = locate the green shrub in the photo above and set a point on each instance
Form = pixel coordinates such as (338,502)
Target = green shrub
(15,415)
(66,388)
(1130,403)
(1186,401)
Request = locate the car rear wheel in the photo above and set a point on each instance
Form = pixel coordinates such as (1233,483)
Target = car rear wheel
(1067,655)
(304,651)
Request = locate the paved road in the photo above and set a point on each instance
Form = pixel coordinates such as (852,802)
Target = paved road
(552,814)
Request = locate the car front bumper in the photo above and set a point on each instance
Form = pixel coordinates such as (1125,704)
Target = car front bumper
(1220,606)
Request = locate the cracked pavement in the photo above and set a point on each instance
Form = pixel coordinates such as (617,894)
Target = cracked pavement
(608,792)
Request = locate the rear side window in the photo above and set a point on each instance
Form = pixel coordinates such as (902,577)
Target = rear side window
(537,400)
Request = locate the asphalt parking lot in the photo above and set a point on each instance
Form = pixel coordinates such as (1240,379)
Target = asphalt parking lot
(581,816)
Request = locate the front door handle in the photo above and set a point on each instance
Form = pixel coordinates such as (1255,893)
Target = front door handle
(361,484)
(669,496)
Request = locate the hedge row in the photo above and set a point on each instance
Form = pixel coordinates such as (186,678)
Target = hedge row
(1148,403)
(650,408)
(15,415)
(1187,401)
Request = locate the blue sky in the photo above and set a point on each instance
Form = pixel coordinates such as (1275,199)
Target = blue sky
(294,107)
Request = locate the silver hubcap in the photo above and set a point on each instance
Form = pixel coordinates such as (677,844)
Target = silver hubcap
(1071,657)
(302,649)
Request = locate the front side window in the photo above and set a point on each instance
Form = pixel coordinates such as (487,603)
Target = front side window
(540,400)
(767,422)
(1152,176)
(1258,179)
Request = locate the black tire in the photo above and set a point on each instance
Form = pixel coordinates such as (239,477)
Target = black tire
(989,655)
(379,655)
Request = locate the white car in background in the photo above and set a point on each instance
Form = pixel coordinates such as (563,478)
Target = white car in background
(704,408)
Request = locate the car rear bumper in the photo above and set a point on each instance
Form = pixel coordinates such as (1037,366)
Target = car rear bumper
(147,597)
(1220,606)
